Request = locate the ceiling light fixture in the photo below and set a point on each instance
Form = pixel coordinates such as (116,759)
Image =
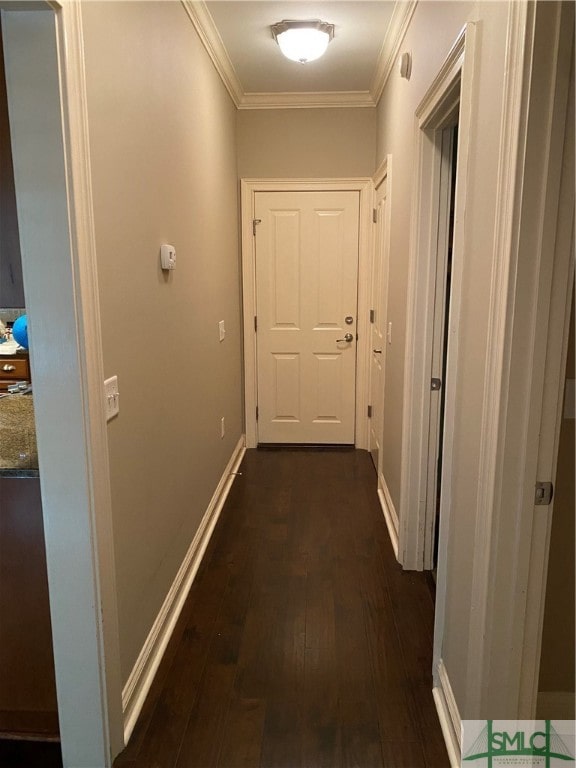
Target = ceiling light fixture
(303,41)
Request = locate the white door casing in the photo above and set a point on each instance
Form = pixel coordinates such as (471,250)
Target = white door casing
(47,103)
(306,286)
(249,189)
(451,87)
(378,319)
(532,274)
(380,338)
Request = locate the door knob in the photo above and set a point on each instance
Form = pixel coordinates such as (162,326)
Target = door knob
(347,337)
(377,351)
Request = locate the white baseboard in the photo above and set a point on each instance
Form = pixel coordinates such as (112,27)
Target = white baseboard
(390,514)
(448,715)
(555,705)
(142,675)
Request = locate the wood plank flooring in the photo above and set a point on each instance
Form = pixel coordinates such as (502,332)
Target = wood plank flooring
(302,643)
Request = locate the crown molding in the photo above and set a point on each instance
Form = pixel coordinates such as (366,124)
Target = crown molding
(204,24)
(401,18)
(210,37)
(303,100)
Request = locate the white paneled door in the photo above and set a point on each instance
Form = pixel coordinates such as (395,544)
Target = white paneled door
(306,304)
(379,301)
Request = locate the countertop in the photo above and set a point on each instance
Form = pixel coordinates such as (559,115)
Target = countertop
(15,472)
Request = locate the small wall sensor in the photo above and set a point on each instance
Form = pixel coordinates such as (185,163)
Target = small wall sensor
(405,65)
(168,257)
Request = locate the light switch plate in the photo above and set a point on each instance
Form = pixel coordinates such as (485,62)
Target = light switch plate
(112,397)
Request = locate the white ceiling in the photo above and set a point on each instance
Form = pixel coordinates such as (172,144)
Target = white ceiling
(349,64)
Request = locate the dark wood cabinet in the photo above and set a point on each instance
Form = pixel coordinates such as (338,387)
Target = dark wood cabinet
(13,368)
(27,682)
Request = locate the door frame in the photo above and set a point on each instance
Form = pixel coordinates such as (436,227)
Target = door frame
(529,308)
(384,171)
(451,87)
(44,53)
(248,190)
(531,300)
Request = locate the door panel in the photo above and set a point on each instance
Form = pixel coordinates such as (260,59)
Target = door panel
(306,285)
(379,297)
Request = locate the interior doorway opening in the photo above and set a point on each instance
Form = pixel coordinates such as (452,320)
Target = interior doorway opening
(449,163)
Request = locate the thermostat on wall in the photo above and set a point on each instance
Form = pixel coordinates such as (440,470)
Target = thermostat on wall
(168,257)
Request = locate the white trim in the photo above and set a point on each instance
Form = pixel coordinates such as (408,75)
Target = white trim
(204,25)
(212,41)
(48,116)
(248,189)
(149,658)
(554,330)
(71,41)
(381,172)
(306,100)
(399,23)
(513,99)
(435,109)
(448,714)
(523,364)
(435,106)
(555,705)
(390,514)
(465,139)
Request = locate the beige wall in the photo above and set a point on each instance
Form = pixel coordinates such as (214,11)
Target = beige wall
(434,28)
(305,143)
(432,33)
(162,133)
(557,659)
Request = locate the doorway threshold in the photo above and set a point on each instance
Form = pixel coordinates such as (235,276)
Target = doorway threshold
(304,447)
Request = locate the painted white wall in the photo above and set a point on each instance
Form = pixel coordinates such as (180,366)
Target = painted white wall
(162,139)
(306,143)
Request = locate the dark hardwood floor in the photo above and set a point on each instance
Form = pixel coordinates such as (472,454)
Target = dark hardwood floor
(302,642)
(29,754)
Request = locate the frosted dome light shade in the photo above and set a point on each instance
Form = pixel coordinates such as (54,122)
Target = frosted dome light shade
(303,45)
(303,41)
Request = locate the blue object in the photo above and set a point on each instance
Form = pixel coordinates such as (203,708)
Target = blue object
(20,331)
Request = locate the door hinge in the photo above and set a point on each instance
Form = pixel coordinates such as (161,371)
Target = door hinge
(435,384)
(544,493)
(369,411)
(372,315)
(256,413)
(255,223)
(375,215)
(255,323)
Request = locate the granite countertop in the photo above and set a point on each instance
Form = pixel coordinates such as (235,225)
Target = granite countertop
(15,472)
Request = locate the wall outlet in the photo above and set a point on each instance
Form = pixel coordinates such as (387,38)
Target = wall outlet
(222,428)
(221,330)
(112,397)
